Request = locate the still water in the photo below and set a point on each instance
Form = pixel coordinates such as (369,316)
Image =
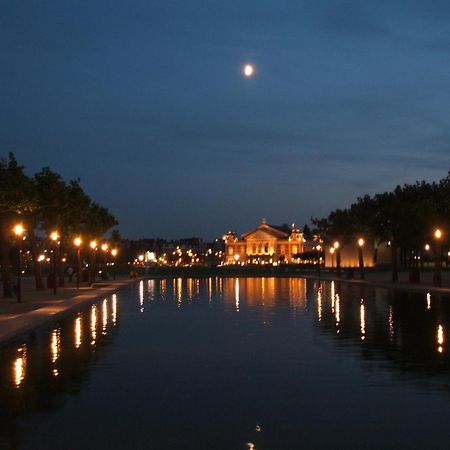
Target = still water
(234,363)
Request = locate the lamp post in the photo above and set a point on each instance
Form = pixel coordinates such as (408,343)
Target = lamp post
(114,254)
(338,258)
(437,277)
(361,258)
(332,250)
(54,236)
(93,245)
(77,241)
(18,231)
(318,248)
(104,248)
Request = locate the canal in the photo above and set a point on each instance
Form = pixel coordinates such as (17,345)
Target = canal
(233,363)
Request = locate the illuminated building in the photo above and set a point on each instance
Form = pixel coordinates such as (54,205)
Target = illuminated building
(265,244)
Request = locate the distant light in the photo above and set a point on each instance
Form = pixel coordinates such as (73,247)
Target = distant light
(54,236)
(19,229)
(77,241)
(427,247)
(93,244)
(249,70)
(336,244)
(360,242)
(104,247)
(438,234)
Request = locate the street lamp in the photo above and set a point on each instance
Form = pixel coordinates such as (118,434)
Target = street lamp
(77,241)
(114,254)
(104,248)
(338,258)
(19,230)
(93,245)
(332,250)
(318,248)
(54,236)
(361,258)
(437,277)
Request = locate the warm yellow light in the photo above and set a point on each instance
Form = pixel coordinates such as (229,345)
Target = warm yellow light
(77,241)
(41,258)
(437,233)
(427,247)
(249,70)
(236,257)
(54,236)
(19,230)
(93,245)
(318,248)
(104,247)
(114,252)
(360,242)
(332,250)
(141,258)
(336,244)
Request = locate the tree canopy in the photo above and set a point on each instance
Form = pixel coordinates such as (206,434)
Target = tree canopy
(45,202)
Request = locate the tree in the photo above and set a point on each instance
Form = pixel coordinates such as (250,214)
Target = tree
(16,199)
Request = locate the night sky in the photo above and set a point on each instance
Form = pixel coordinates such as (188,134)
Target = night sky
(146,102)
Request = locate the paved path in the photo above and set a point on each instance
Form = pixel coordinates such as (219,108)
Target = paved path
(39,307)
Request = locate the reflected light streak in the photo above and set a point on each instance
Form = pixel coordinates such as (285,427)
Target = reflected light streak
(93,324)
(114,309)
(179,290)
(319,304)
(104,316)
(332,294)
(19,367)
(236,292)
(55,345)
(189,287)
(141,295)
(391,322)
(151,288)
(428,300)
(362,314)
(77,332)
(337,312)
(440,338)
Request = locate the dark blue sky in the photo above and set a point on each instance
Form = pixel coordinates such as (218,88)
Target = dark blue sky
(145,101)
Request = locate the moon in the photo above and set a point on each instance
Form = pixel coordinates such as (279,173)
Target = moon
(248,70)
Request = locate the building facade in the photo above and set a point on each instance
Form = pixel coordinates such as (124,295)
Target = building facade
(266,244)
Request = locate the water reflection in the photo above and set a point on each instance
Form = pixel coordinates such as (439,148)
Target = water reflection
(19,366)
(53,352)
(362,315)
(104,315)
(440,338)
(392,327)
(93,324)
(78,332)
(309,336)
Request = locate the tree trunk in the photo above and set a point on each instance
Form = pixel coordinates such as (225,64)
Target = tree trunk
(37,269)
(61,266)
(5,248)
(92,267)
